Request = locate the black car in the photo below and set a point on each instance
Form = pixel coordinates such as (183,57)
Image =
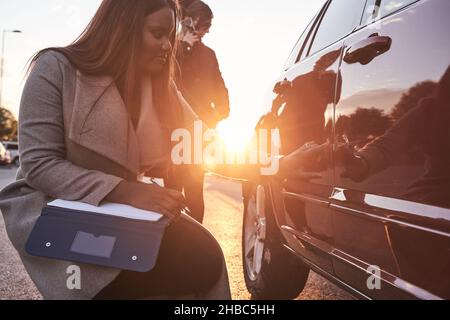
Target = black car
(368,82)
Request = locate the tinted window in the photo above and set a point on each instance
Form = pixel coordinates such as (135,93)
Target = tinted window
(339,20)
(377,9)
(295,54)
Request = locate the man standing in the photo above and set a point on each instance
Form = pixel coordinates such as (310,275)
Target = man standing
(201,80)
(203,87)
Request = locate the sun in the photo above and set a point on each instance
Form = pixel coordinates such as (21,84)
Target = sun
(235,135)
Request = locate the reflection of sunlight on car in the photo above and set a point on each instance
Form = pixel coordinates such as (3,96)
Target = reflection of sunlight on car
(393,5)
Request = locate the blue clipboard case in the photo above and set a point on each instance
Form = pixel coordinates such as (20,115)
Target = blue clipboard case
(97,239)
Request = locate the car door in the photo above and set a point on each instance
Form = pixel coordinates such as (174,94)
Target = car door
(394,221)
(305,103)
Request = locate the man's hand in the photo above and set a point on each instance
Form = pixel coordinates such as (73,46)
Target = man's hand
(355,167)
(190,38)
(304,157)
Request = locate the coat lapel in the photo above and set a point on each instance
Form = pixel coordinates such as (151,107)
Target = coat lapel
(100,121)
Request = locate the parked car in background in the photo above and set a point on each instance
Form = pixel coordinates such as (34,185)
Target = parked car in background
(5,156)
(368,81)
(13,148)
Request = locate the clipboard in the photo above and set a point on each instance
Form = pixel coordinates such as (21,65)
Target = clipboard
(110,240)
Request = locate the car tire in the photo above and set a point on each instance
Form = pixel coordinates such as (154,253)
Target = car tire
(271,272)
(17,162)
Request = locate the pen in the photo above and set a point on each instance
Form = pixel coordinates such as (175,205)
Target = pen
(185,210)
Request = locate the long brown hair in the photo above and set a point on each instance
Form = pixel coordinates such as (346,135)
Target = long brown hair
(109,46)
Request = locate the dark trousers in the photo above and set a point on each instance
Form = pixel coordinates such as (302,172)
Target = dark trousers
(190,180)
(190,262)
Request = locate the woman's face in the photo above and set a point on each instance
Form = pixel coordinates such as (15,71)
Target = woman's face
(156,46)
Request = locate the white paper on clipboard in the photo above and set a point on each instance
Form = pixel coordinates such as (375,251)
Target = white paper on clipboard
(111,209)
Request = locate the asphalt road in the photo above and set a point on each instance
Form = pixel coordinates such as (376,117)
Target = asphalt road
(224,220)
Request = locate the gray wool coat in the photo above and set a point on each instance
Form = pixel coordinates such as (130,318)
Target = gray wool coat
(76,143)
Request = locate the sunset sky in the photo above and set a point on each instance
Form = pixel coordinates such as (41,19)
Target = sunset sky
(252,39)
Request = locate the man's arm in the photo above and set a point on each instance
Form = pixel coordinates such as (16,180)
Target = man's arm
(220,96)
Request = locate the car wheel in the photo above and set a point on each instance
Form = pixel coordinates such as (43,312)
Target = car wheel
(17,162)
(270,270)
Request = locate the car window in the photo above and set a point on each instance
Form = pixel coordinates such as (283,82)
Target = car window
(12,147)
(307,44)
(339,20)
(378,9)
(295,54)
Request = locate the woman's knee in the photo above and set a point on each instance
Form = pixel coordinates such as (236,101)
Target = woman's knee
(194,252)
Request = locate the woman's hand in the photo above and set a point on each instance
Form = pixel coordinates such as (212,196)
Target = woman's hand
(149,197)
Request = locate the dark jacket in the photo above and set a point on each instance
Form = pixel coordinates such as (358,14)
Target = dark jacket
(201,83)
